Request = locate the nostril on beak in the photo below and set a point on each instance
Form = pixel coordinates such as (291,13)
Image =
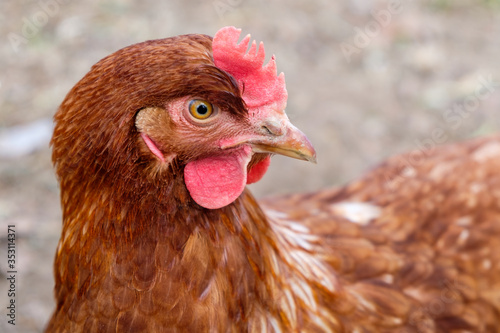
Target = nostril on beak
(267,130)
(272,128)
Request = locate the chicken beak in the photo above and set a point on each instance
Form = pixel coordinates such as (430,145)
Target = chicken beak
(274,134)
(279,136)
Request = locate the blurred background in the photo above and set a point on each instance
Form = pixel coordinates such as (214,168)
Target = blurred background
(366,80)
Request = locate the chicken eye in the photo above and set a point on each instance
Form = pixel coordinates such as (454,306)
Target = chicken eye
(200,109)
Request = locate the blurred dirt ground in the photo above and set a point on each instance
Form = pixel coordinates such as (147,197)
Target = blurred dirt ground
(366,79)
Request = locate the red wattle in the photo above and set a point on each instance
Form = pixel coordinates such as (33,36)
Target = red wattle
(216,181)
(258,170)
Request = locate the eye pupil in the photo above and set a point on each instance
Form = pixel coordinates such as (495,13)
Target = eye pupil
(202,109)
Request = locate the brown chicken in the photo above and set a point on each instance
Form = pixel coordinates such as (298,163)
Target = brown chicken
(153,149)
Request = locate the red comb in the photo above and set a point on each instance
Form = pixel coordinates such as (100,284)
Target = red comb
(260,84)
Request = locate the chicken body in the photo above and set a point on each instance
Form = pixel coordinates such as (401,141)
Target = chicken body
(413,246)
(147,247)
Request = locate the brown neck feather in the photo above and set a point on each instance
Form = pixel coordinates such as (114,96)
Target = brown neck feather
(164,247)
